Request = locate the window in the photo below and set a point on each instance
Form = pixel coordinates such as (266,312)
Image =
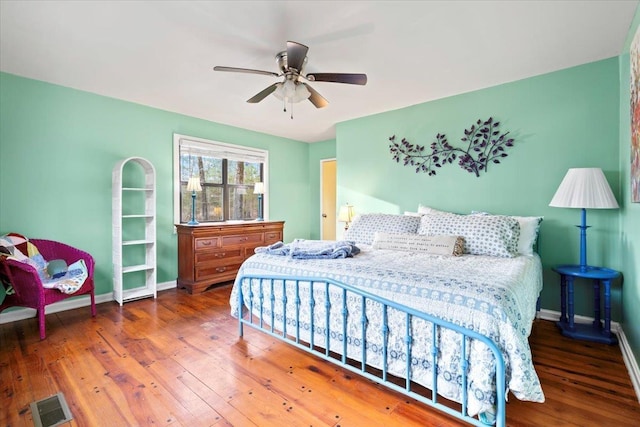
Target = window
(227,174)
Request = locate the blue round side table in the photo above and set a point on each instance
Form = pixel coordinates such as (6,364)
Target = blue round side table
(596,331)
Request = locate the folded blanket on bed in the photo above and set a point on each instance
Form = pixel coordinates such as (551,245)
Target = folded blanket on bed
(312,249)
(277,248)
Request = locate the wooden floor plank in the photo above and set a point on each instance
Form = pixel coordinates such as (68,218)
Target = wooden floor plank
(220,404)
(16,393)
(178,361)
(166,371)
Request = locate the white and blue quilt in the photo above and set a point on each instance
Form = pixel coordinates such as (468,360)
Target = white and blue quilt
(493,296)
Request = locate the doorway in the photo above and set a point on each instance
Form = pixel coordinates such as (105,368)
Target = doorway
(328,199)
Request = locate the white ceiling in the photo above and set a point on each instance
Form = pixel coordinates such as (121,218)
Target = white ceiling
(161,53)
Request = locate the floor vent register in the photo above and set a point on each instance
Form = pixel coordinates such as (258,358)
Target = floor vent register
(51,411)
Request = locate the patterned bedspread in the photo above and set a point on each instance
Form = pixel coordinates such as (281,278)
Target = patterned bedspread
(493,296)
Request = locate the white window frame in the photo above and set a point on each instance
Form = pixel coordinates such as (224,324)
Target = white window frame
(229,151)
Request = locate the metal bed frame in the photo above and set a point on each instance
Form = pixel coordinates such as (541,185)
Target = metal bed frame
(360,366)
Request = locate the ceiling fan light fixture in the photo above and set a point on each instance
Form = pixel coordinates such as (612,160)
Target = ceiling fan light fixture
(289,91)
(301,93)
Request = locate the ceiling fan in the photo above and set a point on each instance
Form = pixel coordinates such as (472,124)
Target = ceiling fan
(291,63)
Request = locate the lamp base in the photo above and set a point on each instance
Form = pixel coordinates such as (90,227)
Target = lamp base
(193,221)
(583,240)
(259,208)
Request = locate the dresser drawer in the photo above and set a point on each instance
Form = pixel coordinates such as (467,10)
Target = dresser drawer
(203,243)
(220,257)
(216,273)
(272,237)
(244,239)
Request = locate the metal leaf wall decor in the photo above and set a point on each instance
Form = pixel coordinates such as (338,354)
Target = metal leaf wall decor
(485,145)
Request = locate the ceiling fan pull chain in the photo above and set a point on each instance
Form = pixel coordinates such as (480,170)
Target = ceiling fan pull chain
(291,108)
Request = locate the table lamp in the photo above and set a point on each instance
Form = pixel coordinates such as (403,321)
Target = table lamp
(258,188)
(193,185)
(584,188)
(346,214)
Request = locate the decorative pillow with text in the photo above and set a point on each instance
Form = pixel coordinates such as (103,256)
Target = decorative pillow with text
(436,245)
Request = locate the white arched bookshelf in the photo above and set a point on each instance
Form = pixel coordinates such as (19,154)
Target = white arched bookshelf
(134,229)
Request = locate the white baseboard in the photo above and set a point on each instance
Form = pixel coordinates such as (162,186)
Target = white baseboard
(68,304)
(554,316)
(625,349)
(630,362)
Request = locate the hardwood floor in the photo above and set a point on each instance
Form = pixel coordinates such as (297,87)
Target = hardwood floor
(178,361)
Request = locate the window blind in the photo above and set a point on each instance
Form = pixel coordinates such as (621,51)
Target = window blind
(223,151)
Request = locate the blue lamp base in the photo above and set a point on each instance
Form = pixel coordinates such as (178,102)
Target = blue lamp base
(193,210)
(583,240)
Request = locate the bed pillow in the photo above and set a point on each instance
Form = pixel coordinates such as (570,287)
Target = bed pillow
(529,228)
(426,210)
(364,226)
(492,235)
(436,245)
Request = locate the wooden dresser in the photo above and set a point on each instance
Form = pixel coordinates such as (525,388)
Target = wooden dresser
(212,253)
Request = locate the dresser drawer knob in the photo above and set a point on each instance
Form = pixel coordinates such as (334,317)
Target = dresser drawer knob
(206,243)
(221,269)
(220,255)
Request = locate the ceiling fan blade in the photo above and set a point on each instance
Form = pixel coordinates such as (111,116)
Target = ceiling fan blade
(315,98)
(245,70)
(296,53)
(262,95)
(353,79)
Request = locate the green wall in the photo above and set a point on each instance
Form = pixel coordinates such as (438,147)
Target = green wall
(57,150)
(317,151)
(630,212)
(560,120)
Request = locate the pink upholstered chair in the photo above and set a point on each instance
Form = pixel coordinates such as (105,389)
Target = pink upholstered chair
(28,288)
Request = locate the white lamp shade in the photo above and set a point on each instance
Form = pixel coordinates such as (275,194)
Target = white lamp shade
(346,213)
(584,188)
(258,188)
(194,184)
